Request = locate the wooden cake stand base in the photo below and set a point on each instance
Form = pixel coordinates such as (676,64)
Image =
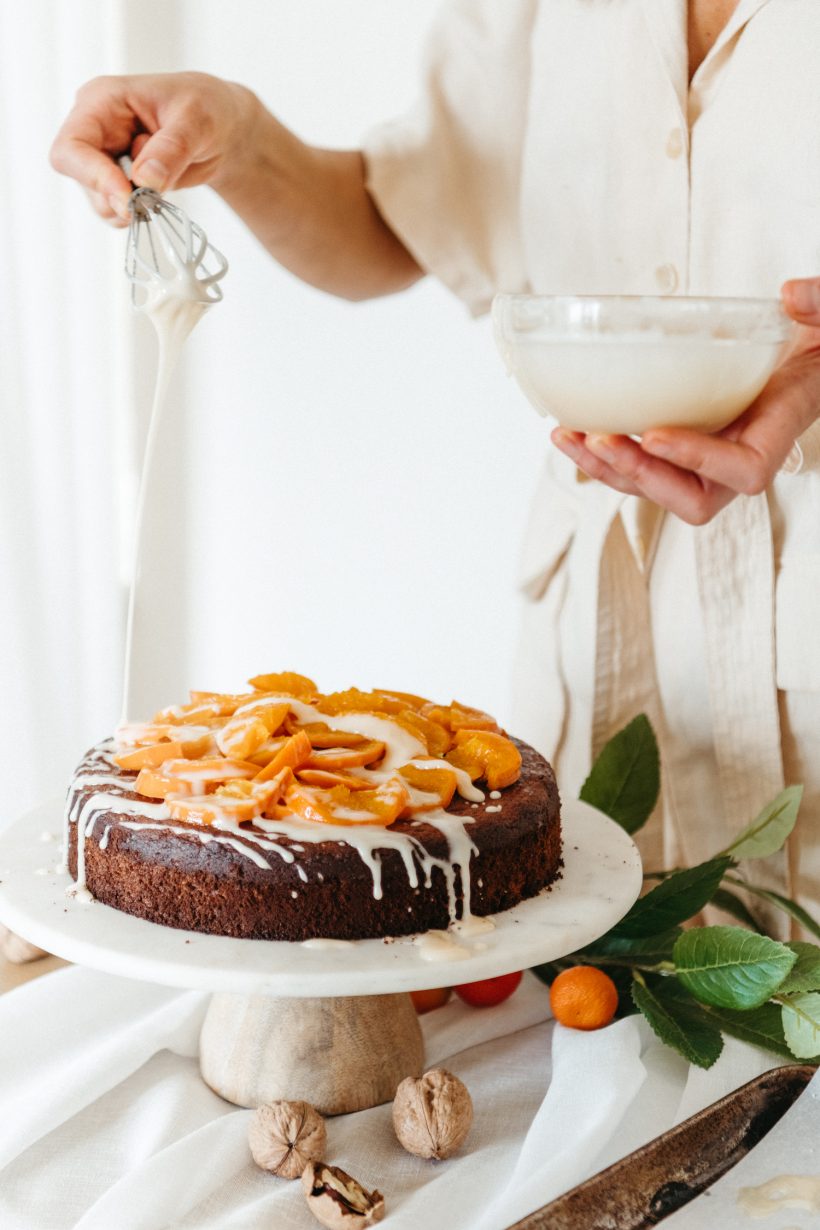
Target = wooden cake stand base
(341,1054)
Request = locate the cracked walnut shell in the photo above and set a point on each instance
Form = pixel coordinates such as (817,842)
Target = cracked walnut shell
(432,1114)
(285,1136)
(339,1201)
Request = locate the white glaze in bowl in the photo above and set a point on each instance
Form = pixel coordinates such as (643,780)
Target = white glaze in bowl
(627,363)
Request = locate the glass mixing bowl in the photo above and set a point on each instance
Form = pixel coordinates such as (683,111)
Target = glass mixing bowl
(622,363)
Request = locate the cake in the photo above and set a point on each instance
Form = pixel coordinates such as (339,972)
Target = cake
(281,813)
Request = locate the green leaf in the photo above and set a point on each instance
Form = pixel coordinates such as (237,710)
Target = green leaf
(785,904)
(625,780)
(761,1026)
(674,900)
(637,950)
(770,829)
(801,1025)
(730,903)
(677,1023)
(730,967)
(805,973)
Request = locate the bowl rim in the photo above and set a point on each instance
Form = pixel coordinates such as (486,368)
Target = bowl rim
(764,315)
(704,300)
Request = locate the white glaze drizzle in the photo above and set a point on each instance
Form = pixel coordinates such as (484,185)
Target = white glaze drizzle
(174,305)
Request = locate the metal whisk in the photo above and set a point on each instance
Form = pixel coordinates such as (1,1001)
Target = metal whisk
(165,246)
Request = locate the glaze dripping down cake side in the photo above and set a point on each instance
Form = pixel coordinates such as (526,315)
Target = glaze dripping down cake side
(284,814)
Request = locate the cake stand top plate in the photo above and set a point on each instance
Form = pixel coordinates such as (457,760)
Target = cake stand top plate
(600,881)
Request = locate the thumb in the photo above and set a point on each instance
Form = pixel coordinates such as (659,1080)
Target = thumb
(801,299)
(163,159)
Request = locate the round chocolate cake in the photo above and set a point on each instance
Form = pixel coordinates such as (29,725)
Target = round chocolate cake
(400,829)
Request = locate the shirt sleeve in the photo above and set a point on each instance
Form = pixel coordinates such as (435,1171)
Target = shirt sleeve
(446,177)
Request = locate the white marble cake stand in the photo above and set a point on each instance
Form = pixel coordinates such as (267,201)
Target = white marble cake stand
(331,1024)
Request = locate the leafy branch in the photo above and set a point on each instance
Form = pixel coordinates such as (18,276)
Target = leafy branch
(694,984)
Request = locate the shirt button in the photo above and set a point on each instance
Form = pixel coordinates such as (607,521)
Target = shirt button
(667,279)
(674,144)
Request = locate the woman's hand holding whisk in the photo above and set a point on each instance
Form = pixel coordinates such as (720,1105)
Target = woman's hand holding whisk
(308,206)
(179,129)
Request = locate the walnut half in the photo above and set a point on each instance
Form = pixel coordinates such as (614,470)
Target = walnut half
(337,1200)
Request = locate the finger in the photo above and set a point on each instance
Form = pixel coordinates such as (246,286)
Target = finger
(138,144)
(78,151)
(102,205)
(747,455)
(678,490)
(571,444)
(801,299)
(166,155)
(736,464)
(96,171)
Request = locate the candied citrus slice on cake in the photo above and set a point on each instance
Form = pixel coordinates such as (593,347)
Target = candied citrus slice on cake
(194,740)
(408,698)
(265,754)
(438,782)
(346,757)
(153,783)
(288,683)
(236,801)
(326,780)
(321,735)
(309,803)
(352,700)
(381,806)
(245,733)
(294,752)
(456,716)
(191,776)
(435,737)
(226,703)
(153,754)
(483,753)
(199,712)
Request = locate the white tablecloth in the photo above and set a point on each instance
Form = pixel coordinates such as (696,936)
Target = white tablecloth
(107,1125)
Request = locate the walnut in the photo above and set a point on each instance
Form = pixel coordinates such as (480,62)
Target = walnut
(432,1114)
(337,1200)
(285,1136)
(17,950)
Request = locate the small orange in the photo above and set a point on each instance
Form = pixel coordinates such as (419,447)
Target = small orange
(583,997)
(426,1001)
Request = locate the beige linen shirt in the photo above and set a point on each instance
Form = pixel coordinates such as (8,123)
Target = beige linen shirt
(559,147)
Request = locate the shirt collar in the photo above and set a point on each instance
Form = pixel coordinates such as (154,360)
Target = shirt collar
(666,20)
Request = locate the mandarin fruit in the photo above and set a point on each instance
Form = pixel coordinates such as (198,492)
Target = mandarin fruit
(426,1001)
(583,997)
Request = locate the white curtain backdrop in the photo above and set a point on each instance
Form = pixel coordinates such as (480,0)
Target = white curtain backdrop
(348,482)
(62,346)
